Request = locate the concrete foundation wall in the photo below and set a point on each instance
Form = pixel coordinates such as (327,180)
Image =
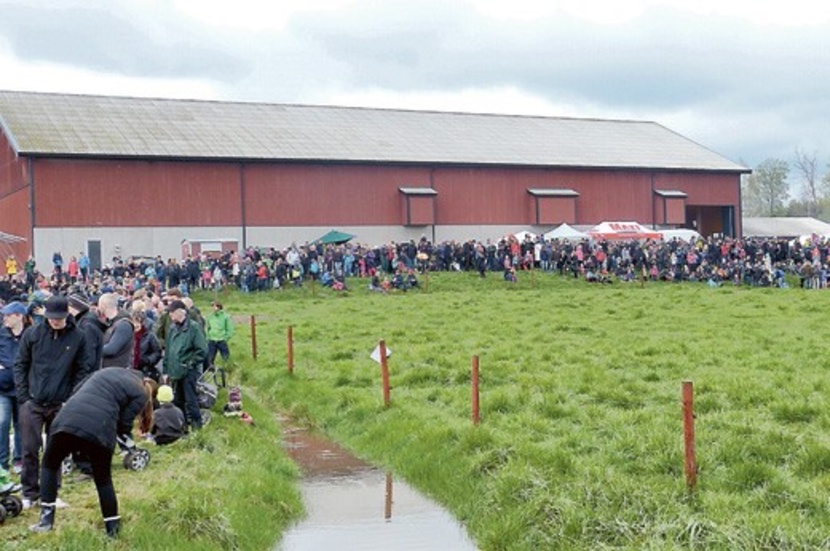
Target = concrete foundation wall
(166,241)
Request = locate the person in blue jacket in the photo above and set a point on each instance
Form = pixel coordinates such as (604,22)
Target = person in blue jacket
(14,323)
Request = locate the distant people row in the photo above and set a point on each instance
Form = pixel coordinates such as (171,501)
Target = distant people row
(752,261)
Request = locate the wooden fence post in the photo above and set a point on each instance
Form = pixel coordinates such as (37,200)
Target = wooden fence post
(387,508)
(384,372)
(253,336)
(689,434)
(474,379)
(290,349)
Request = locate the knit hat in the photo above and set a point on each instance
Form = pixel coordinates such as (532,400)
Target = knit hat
(165,394)
(79,301)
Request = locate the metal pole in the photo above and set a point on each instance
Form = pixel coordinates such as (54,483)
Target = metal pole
(689,434)
(384,373)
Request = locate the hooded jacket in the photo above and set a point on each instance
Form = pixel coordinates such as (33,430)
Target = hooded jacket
(219,326)
(50,363)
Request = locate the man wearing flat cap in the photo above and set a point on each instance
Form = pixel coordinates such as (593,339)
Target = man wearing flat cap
(51,360)
(184,355)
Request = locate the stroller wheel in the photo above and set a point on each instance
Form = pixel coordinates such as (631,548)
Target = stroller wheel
(2,515)
(136,460)
(67,466)
(13,505)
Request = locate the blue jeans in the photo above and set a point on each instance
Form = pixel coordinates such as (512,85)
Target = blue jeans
(220,347)
(9,414)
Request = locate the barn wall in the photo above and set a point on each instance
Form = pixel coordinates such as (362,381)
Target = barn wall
(107,193)
(150,207)
(703,188)
(337,195)
(14,203)
(327,195)
(77,193)
(14,219)
(13,169)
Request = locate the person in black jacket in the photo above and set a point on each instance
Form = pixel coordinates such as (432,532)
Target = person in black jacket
(104,407)
(119,340)
(147,353)
(87,321)
(52,358)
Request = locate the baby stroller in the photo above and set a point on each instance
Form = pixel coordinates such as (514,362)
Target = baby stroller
(10,505)
(207,393)
(133,457)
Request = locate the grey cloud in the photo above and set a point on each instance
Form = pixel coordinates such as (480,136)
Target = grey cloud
(107,40)
(662,60)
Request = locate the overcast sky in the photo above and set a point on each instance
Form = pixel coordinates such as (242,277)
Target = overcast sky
(748,79)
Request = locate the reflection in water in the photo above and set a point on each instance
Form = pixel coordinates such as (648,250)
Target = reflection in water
(352,506)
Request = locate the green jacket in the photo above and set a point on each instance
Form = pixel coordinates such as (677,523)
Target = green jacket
(186,349)
(219,326)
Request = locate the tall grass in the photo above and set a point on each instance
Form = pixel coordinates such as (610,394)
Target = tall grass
(580,445)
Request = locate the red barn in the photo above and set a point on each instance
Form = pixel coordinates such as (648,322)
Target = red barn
(122,176)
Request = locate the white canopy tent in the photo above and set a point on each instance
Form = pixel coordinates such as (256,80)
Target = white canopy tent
(566,231)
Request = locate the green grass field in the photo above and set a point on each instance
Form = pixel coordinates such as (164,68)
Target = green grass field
(580,444)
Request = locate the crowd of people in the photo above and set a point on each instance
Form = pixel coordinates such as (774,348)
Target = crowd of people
(79,363)
(713,260)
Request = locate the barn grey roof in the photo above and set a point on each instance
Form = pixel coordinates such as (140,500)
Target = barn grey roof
(84,125)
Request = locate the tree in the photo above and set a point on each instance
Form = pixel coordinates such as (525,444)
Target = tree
(765,191)
(806,166)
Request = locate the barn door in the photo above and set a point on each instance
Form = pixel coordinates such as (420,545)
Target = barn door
(93,251)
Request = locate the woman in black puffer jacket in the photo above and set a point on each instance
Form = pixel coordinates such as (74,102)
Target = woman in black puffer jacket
(103,407)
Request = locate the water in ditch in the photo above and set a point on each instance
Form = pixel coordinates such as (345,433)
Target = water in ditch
(354,506)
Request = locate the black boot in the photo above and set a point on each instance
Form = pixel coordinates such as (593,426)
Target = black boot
(112,525)
(47,519)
